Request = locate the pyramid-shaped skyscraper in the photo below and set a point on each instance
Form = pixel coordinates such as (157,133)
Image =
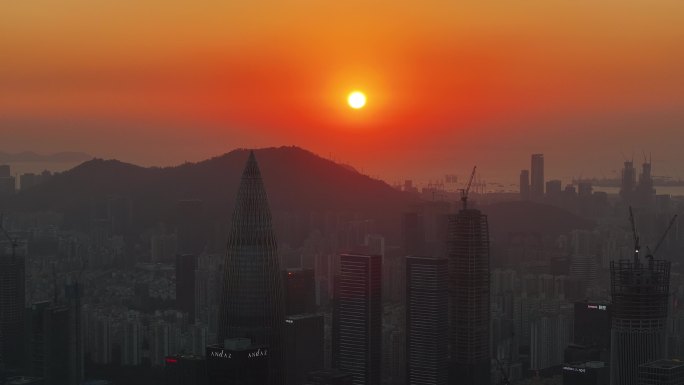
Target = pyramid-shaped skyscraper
(252,304)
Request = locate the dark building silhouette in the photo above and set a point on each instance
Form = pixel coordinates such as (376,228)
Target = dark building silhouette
(238,362)
(412,234)
(592,325)
(304,340)
(252,305)
(628,182)
(644,193)
(72,293)
(300,291)
(468,253)
(12,297)
(48,343)
(524,185)
(357,318)
(186,265)
(662,372)
(537,177)
(185,370)
(191,229)
(553,188)
(640,294)
(329,377)
(427,320)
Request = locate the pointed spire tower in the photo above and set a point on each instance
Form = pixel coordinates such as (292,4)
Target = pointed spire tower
(252,305)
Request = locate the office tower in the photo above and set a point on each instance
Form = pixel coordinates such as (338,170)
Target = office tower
(329,377)
(412,234)
(592,325)
(304,340)
(644,191)
(524,185)
(662,372)
(191,231)
(537,177)
(468,253)
(357,318)
(553,188)
(185,370)
(186,265)
(48,343)
(550,334)
(12,297)
(585,373)
(252,305)
(7,181)
(427,320)
(72,293)
(300,291)
(5,171)
(584,189)
(640,298)
(238,362)
(628,182)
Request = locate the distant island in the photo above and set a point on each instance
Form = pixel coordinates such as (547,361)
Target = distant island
(59,157)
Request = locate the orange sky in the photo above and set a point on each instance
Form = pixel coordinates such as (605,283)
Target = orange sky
(449,83)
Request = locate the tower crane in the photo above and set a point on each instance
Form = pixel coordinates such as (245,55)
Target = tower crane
(466,190)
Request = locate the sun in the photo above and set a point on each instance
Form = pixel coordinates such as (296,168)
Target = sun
(356,100)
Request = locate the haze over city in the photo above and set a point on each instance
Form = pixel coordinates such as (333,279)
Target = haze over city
(341,193)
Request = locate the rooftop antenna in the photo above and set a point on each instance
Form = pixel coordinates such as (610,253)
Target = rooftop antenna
(466,190)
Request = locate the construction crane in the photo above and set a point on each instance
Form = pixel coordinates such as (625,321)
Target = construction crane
(13,241)
(650,255)
(466,190)
(637,246)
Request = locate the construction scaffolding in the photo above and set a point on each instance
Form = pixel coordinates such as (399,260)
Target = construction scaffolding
(640,303)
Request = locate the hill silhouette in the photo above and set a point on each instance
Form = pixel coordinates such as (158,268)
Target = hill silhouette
(295,180)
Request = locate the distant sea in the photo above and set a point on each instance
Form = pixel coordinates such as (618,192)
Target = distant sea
(670,190)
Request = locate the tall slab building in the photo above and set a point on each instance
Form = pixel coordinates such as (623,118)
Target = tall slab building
(468,253)
(357,318)
(252,305)
(427,321)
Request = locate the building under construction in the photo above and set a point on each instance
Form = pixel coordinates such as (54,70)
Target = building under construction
(640,299)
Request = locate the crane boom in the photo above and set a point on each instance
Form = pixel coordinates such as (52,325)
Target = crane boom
(466,190)
(662,238)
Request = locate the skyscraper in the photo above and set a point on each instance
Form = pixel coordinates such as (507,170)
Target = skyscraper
(468,253)
(524,185)
(357,318)
(537,177)
(300,291)
(640,299)
(628,182)
(252,305)
(304,340)
(186,265)
(12,297)
(427,320)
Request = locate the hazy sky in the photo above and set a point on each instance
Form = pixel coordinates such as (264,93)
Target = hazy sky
(449,83)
